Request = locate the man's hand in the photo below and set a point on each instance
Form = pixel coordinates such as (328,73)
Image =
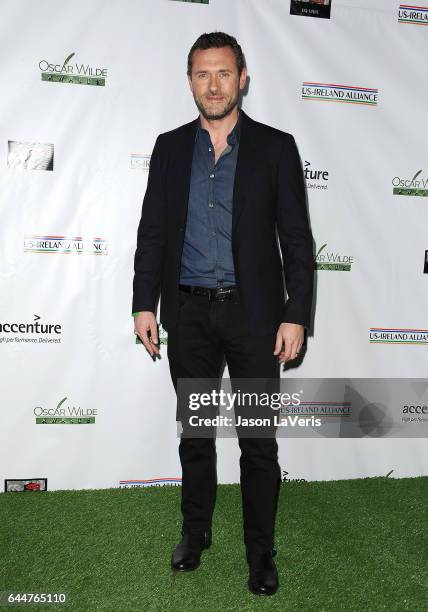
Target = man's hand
(290,334)
(144,322)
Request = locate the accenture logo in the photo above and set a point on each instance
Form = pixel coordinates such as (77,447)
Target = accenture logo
(35,332)
(315,179)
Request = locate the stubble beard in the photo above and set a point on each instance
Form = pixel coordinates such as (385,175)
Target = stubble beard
(220,114)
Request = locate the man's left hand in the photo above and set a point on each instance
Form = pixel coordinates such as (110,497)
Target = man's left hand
(291,335)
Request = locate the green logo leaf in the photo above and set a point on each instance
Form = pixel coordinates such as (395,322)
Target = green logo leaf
(68,59)
(323,247)
(417,174)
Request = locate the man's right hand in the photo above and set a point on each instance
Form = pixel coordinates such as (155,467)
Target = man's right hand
(145,322)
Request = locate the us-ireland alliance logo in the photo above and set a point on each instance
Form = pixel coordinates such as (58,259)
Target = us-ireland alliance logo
(398,335)
(74,245)
(411,14)
(331,92)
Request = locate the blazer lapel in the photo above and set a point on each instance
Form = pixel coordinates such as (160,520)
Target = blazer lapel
(244,167)
(184,161)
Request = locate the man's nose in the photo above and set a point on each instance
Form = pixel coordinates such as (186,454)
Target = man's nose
(213,84)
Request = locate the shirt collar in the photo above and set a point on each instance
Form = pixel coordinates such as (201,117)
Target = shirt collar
(233,136)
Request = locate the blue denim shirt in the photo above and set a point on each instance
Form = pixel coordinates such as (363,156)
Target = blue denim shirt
(207,259)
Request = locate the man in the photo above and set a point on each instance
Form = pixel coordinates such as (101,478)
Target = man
(220,190)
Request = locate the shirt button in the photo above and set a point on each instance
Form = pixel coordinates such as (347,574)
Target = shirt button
(210,204)
(209,149)
(213,233)
(211,175)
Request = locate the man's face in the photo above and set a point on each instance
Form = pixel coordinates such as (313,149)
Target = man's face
(215,82)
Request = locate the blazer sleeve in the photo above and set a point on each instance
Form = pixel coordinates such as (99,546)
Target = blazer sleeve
(151,238)
(295,236)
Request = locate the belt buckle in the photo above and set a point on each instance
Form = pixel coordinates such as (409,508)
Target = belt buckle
(223,294)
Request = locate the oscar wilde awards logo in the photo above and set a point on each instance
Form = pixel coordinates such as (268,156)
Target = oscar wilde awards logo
(35,332)
(330,92)
(315,179)
(416,186)
(416,15)
(75,245)
(76,73)
(65,414)
(385,335)
(311,8)
(30,155)
(150,482)
(335,262)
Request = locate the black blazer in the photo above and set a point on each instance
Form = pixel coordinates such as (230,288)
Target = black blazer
(268,203)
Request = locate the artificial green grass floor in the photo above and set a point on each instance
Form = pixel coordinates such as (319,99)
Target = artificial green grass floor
(343,545)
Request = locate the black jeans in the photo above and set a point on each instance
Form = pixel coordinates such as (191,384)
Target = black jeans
(209,334)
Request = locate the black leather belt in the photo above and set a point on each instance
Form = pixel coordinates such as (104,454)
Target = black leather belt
(214,294)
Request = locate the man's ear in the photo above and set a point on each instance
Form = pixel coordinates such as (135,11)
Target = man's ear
(190,83)
(243,78)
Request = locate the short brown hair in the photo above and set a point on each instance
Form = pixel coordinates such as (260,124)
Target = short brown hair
(216,40)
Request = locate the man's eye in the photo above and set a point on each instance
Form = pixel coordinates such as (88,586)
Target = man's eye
(224,74)
(202,75)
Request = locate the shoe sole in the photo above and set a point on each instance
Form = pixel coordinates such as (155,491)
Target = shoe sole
(182,571)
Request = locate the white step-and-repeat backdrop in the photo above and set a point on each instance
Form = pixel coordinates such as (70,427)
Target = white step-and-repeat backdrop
(86,87)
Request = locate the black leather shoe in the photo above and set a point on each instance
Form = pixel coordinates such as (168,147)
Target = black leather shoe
(187,553)
(263,578)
